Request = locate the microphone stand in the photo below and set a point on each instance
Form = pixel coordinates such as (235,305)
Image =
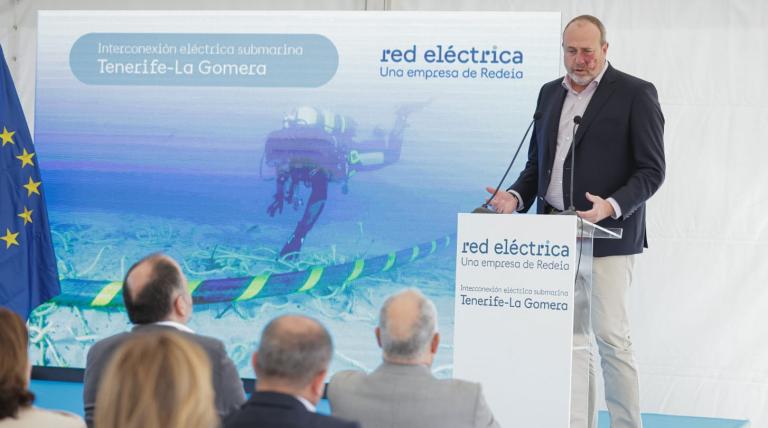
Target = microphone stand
(483,209)
(571,207)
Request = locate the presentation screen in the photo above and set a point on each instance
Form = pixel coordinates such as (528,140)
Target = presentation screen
(291,162)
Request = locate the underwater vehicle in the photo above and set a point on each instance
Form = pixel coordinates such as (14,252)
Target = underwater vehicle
(315,147)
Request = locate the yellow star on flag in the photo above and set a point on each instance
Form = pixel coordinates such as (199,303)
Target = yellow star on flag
(7,136)
(26,158)
(10,238)
(26,215)
(32,186)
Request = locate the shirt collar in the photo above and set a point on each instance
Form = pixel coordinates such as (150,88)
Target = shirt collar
(311,407)
(176,325)
(596,81)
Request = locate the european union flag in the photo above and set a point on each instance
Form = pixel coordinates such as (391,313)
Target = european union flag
(28,275)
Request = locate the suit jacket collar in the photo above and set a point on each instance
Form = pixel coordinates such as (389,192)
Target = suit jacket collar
(551,129)
(604,91)
(160,327)
(276,399)
(404,369)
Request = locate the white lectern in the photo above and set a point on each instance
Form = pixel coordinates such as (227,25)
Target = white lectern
(517,296)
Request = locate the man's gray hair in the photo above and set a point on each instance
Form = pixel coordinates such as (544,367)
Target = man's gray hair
(420,332)
(594,21)
(292,355)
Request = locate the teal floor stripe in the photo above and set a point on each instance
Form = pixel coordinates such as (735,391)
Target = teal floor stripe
(655,420)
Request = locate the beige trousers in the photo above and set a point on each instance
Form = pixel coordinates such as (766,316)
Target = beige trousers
(601,311)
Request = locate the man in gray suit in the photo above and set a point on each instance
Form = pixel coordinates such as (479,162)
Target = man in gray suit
(157,298)
(402,392)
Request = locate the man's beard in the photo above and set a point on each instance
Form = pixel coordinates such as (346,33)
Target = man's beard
(581,81)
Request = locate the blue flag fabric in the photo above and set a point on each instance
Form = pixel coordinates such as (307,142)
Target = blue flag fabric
(28,275)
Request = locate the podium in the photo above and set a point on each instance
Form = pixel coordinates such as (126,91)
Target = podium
(521,281)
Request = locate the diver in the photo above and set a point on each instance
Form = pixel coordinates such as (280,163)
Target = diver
(316,147)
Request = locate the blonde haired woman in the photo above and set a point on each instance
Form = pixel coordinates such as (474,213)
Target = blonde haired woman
(157,380)
(16,409)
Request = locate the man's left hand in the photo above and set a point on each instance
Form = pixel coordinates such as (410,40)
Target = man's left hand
(600,209)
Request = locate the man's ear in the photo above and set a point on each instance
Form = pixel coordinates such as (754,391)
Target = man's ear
(318,386)
(179,310)
(378,336)
(254,359)
(182,306)
(435,343)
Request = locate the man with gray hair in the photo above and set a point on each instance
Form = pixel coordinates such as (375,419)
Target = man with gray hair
(402,392)
(290,365)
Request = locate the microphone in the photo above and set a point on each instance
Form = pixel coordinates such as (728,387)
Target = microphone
(576,122)
(483,209)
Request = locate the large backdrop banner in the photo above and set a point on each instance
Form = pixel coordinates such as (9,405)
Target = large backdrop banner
(304,162)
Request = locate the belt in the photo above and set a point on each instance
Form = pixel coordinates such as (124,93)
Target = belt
(551,210)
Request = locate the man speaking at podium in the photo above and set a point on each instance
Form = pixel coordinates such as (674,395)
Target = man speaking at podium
(618,128)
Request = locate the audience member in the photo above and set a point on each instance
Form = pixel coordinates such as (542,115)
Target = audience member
(290,365)
(402,392)
(157,380)
(16,409)
(157,299)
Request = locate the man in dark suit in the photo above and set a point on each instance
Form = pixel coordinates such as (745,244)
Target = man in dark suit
(619,164)
(157,298)
(290,365)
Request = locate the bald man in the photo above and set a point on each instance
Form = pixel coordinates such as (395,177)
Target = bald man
(156,298)
(618,164)
(290,365)
(402,392)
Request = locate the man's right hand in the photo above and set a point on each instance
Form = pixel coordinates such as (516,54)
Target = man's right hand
(503,202)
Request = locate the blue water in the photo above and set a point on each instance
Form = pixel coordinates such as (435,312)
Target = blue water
(217,227)
(129,170)
(124,183)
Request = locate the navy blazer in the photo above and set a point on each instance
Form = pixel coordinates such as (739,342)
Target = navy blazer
(276,410)
(619,149)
